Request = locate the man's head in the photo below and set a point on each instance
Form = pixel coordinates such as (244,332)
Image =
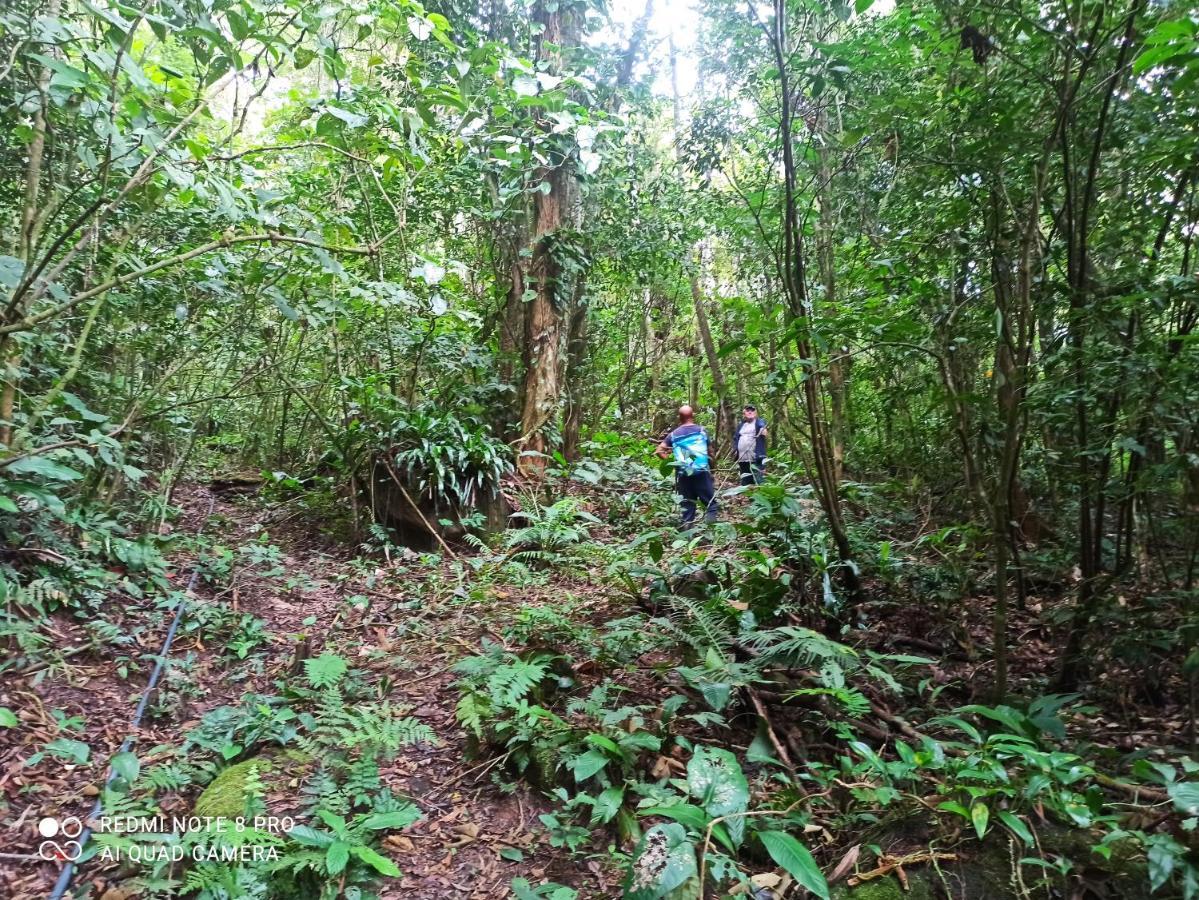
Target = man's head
(686,414)
(750,412)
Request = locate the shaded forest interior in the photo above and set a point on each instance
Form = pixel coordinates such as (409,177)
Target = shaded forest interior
(340,344)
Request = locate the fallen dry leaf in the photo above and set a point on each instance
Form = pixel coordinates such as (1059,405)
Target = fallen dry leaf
(848,861)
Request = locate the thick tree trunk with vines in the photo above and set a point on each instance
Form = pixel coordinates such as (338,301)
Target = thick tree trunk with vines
(544,324)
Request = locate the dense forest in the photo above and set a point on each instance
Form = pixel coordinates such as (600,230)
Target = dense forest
(355,359)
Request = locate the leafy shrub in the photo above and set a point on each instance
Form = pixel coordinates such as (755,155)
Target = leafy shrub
(450,459)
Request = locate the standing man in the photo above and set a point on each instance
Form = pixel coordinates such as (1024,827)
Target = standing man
(688,444)
(751,446)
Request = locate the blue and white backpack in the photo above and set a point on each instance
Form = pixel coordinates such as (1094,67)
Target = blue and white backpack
(690,452)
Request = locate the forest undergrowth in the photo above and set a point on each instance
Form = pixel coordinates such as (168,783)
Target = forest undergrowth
(595,704)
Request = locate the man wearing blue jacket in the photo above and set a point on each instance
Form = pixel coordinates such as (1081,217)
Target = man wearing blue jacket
(750,446)
(688,445)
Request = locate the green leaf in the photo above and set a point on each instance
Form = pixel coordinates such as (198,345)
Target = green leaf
(7,718)
(354,120)
(607,805)
(334,821)
(380,864)
(286,309)
(1017,826)
(39,465)
(126,766)
(336,857)
(310,837)
(980,816)
(64,75)
(604,743)
(794,857)
(1185,795)
(1162,857)
(512,854)
(11,270)
(691,816)
(664,860)
(65,748)
(400,818)
(715,779)
(420,27)
(588,764)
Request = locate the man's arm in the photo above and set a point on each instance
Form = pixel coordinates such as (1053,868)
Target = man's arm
(663,450)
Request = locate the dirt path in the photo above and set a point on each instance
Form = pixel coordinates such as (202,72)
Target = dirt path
(413,628)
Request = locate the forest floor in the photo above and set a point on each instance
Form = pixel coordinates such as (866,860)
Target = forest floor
(404,623)
(411,637)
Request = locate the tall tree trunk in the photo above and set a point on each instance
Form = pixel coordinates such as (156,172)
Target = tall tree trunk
(553,210)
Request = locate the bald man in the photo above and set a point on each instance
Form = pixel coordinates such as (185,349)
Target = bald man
(687,444)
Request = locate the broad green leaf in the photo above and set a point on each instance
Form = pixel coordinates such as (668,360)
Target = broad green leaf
(400,818)
(587,764)
(607,805)
(980,816)
(794,857)
(310,837)
(65,748)
(336,857)
(380,864)
(1185,795)
(691,816)
(65,75)
(11,270)
(715,779)
(47,468)
(126,766)
(420,27)
(1017,826)
(664,860)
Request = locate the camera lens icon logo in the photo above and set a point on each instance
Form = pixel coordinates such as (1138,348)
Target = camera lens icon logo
(63,851)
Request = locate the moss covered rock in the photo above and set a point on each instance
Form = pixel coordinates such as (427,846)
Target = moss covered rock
(227,794)
(887,888)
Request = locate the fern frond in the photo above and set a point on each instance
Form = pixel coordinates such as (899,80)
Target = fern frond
(794,646)
(470,712)
(326,670)
(512,682)
(854,702)
(702,627)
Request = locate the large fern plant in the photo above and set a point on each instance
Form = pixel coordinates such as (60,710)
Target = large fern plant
(549,534)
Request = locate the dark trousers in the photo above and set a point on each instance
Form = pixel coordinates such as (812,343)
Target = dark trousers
(698,487)
(751,472)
